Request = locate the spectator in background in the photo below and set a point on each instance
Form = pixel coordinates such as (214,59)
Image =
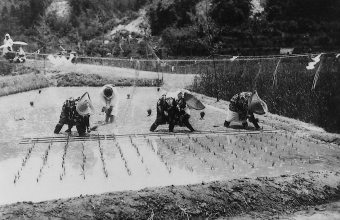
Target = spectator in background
(8,42)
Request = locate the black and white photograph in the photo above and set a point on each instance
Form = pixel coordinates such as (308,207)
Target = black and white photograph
(170,109)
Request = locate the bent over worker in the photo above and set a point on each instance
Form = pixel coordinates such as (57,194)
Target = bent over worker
(109,100)
(183,111)
(173,108)
(76,112)
(166,113)
(243,106)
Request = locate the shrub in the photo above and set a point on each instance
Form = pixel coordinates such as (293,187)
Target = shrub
(22,83)
(78,79)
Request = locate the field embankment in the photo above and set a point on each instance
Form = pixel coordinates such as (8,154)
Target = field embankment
(79,79)
(22,83)
(260,198)
(285,84)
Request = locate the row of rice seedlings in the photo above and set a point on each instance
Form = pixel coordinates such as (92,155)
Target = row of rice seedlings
(139,155)
(149,142)
(212,150)
(84,160)
(195,155)
(123,158)
(64,156)
(44,159)
(102,158)
(161,156)
(24,161)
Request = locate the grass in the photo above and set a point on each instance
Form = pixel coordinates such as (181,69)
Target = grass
(22,83)
(28,79)
(95,80)
(292,96)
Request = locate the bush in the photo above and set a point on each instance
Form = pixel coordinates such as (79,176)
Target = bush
(22,83)
(78,79)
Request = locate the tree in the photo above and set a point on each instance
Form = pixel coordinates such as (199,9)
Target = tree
(231,13)
(44,35)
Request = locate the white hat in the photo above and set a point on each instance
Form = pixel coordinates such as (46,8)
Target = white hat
(257,105)
(84,106)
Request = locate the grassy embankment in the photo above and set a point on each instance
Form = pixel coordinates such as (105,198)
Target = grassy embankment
(286,86)
(27,78)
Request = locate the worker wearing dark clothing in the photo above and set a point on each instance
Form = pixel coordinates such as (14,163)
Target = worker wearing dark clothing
(76,112)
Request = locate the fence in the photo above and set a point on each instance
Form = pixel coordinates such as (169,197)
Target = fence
(283,81)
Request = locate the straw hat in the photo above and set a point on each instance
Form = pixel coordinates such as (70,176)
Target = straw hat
(84,105)
(257,105)
(108,92)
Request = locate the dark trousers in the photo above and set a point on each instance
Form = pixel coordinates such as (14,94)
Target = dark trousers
(81,126)
(183,120)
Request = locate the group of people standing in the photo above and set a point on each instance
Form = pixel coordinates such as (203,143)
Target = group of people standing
(173,108)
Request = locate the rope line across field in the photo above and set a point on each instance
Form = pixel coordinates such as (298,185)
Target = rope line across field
(137,135)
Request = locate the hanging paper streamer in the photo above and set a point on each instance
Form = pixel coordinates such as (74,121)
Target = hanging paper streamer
(137,68)
(311,65)
(121,49)
(233,58)
(258,73)
(275,73)
(172,68)
(257,76)
(163,64)
(154,64)
(316,77)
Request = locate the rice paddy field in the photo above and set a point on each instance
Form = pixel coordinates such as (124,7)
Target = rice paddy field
(124,161)
(37,165)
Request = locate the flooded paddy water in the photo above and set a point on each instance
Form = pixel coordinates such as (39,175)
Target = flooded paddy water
(62,166)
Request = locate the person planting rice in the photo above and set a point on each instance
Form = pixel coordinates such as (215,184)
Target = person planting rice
(76,112)
(166,108)
(183,111)
(173,108)
(109,99)
(243,106)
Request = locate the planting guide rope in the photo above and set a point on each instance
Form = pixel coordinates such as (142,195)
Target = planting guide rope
(275,73)
(316,77)
(157,135)
(165,63)
(126,107)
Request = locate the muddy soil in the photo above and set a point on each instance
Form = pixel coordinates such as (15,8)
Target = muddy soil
(259,198)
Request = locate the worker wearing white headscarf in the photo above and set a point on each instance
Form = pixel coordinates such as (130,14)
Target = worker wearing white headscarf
(9,43)
(109,99)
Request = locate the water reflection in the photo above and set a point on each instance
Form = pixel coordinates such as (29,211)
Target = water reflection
(45,171)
